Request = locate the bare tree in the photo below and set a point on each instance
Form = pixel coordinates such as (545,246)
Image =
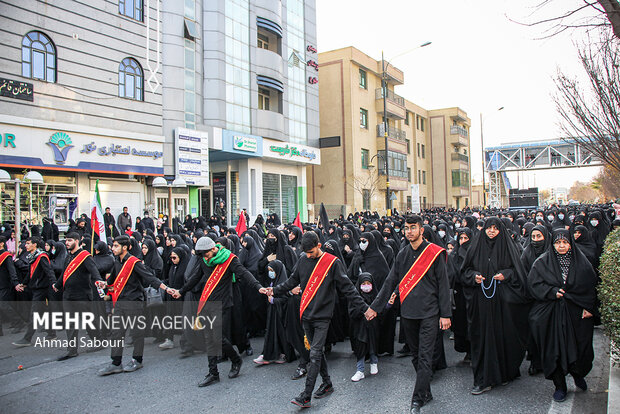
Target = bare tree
(366,182)
(586,14)
(592,116)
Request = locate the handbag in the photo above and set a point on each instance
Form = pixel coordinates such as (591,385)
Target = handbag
(153,297)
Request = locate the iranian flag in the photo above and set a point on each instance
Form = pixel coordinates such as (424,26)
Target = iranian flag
(96,214)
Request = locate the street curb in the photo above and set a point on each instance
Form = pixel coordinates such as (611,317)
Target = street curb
(613,390)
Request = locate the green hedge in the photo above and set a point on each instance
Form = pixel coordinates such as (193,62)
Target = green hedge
(609,290)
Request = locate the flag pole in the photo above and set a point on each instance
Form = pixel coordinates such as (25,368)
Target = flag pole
(92,237)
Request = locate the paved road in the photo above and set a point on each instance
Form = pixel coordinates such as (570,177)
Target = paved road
(168,384)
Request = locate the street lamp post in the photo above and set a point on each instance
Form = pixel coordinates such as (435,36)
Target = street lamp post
(177,183)
(31,177)
(484,188)
(384,91)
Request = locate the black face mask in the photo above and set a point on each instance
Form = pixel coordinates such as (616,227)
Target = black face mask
(386,234)
(538,245)
(271,242)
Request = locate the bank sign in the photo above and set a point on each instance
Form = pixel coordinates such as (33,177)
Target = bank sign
(42,148)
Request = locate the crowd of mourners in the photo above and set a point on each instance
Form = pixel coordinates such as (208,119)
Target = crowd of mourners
(522,284)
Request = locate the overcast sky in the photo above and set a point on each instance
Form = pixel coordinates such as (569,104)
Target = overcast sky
(478,60)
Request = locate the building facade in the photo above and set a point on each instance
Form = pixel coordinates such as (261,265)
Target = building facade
(428,150)
(76,105)
(241,75)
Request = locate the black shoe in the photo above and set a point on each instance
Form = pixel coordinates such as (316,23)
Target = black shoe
(559,395)
(404,351)
(324,390)
(249,351)
(186,354)
(22,343)
(300,373)
(532,370)
(580,383)
(234,369)
(415,407)
(68,355)
(477,390)
(301,401)
(209,379)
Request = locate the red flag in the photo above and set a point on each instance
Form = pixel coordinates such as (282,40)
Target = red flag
(297,223)
(241,225)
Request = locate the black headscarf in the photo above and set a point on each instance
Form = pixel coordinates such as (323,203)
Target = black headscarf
(534,250)
(386,250)
(490,256)
(586,244)
(153,260)
(176,273)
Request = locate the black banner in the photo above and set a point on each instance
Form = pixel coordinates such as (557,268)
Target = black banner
(17,90)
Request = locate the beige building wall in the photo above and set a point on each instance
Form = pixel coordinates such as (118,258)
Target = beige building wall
(420,136)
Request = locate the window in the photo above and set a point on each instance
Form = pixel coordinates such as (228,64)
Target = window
(408,146)
(397,164)
(262,41)
(421,124)
(130,80)
(409,206)
(38,57)
(460,178)
(280,196)
(419,150)
(424,202)
(408,174)
(365,158)
(363,118)
(419,176)
(406,117)
(190,84)
(263,98)
(363,79)
(131,9)
(423,151)
(366,199)
(423,177)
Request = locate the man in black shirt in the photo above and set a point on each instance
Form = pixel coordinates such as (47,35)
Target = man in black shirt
(125,285)
(79,274)
(38,281)
(320,275)
(425,302)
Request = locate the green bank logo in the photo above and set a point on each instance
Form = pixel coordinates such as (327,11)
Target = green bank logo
(60,143)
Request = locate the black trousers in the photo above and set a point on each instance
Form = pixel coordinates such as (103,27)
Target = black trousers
(420,335)
(227,348)
(70,306)
(127,310)
(316,331)
(39,296)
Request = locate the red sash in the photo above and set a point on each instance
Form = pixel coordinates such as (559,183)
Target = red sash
(122,278)
(3,257)
(418,270)
(316,279)
(34,265)
(75,263)
(213,281)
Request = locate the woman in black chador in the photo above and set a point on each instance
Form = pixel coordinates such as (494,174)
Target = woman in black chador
(563,283)
(493,267)
(461,292)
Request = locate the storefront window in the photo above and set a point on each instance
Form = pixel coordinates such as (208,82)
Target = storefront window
(234,197)
(280,196)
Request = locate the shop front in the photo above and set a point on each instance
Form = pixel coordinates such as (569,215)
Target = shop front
(71,158)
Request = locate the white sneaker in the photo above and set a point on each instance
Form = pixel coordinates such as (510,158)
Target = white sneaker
(359,375)
(374,369)
(167,344)
(260,360)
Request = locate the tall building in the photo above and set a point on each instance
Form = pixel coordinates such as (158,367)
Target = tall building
(428,150)
(240,77)
(79,103)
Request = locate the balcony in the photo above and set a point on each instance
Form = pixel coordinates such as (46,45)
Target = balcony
(460,157)
(458,130)
(394,104)
(459,136)
(395,133)
(396,183)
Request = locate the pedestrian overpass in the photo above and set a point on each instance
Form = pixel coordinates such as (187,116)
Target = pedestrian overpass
(531,156)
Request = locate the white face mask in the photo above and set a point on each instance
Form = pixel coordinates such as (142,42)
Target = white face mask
(457,224)
(561,216)
(571,217)
(364,246)
(441,233)
(550,218)
(366,288)
(539,218)
(272,274)
(594,223)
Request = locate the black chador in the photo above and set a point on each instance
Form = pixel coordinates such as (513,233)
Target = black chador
(561,329)
(497,344)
